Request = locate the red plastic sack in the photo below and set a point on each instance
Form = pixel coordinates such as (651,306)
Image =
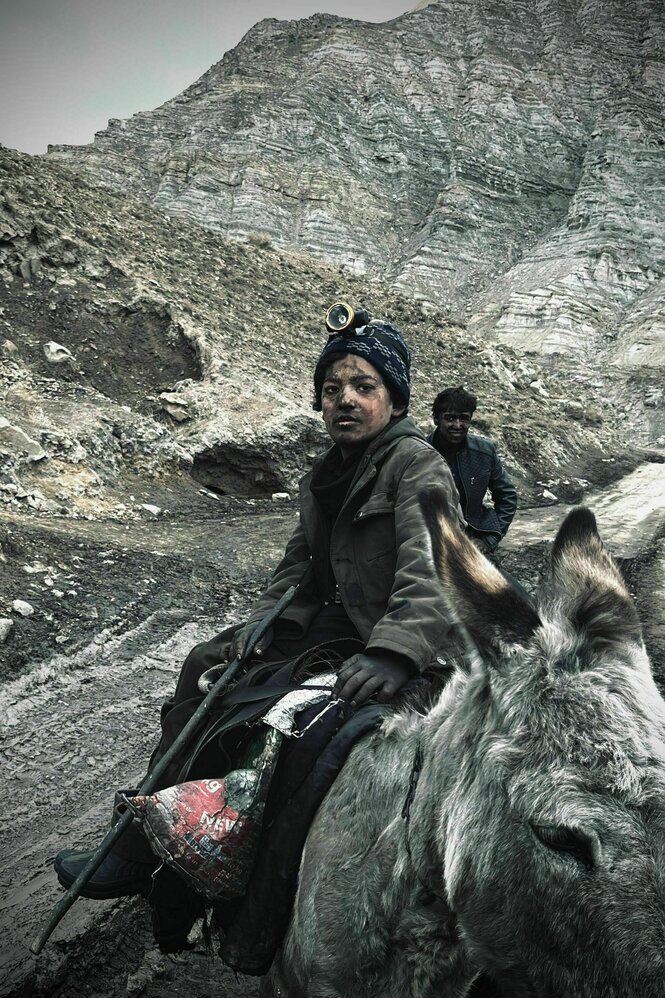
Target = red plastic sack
(209,830)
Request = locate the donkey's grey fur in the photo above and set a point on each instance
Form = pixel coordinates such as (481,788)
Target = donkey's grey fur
(535,845)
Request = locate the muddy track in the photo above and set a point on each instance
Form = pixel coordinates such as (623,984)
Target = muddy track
(82,721)
(84,678)
(84,577)
(74,733)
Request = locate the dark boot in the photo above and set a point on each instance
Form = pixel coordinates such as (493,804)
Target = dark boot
(115,878)
(127,870)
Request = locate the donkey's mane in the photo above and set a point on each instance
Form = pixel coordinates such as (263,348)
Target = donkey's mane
(554,694)
(427,699)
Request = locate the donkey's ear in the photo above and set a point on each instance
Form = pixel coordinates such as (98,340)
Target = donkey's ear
(478,596)
(584,577)
(577,532)
(580,562)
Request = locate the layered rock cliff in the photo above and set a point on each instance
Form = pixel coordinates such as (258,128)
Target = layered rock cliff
(505,161)
(135,351)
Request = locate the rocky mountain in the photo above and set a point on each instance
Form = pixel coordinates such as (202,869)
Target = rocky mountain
(162,291)
(137,350)
(504,161)
(485,176)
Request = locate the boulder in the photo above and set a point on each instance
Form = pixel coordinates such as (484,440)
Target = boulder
(55,353)
(13,440)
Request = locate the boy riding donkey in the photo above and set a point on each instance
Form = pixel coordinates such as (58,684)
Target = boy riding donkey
(367,598)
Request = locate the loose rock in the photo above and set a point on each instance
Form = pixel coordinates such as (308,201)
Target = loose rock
(9,349)
(55,353)
(176,406)
(149,508)
(14,440)
(24,609)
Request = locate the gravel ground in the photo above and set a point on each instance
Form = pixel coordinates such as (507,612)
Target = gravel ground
(79,717)
(82,681)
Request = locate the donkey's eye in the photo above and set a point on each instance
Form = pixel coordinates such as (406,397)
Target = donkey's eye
(569,841)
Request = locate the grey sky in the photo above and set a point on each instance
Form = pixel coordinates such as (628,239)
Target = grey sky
(67,66)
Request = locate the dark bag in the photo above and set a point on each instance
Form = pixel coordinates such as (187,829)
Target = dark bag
(208,830)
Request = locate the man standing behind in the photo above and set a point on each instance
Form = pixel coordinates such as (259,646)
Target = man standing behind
(476,468)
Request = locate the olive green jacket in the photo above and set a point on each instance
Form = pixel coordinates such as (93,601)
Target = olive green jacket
(379,550)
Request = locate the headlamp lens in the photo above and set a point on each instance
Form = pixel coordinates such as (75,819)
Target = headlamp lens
(340,316)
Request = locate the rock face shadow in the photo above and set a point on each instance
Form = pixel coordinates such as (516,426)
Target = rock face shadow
(229,470)
(129,351)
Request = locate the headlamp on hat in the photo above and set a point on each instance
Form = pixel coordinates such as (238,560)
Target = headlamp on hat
(342,319)
(377,342)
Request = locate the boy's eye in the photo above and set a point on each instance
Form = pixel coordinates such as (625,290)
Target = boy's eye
(363,389)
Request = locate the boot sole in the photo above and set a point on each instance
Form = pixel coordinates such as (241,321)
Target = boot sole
(107,892)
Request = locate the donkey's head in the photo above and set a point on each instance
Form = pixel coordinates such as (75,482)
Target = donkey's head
(552,749)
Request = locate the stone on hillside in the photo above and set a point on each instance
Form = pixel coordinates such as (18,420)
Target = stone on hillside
(14,490)
(38,501)
(9,349)
(176,406)
(29,267)
(5,627)
(23,608)
(55,353)
(150,508)
(573,408)
(14,440)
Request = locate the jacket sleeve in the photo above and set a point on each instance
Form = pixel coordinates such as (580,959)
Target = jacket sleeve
(504,494)
(416,620)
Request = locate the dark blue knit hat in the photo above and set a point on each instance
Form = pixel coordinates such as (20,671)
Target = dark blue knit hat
(379,343)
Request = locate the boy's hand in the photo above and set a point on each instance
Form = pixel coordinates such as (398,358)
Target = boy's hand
(374,674)
(242,636)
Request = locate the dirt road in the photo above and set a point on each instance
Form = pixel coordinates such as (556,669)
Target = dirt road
(80,722)
(117,607)
(73,735)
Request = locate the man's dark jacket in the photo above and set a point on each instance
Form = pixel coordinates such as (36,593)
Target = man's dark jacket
(476,468)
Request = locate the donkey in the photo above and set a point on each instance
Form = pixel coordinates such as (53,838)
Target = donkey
(517,827)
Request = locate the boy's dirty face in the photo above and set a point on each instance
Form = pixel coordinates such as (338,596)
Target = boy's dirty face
(356,404)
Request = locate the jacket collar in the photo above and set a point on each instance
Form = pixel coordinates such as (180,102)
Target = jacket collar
(376,451)
(403,426)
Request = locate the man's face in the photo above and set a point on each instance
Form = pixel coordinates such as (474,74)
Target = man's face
(454,426)
(355,402)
